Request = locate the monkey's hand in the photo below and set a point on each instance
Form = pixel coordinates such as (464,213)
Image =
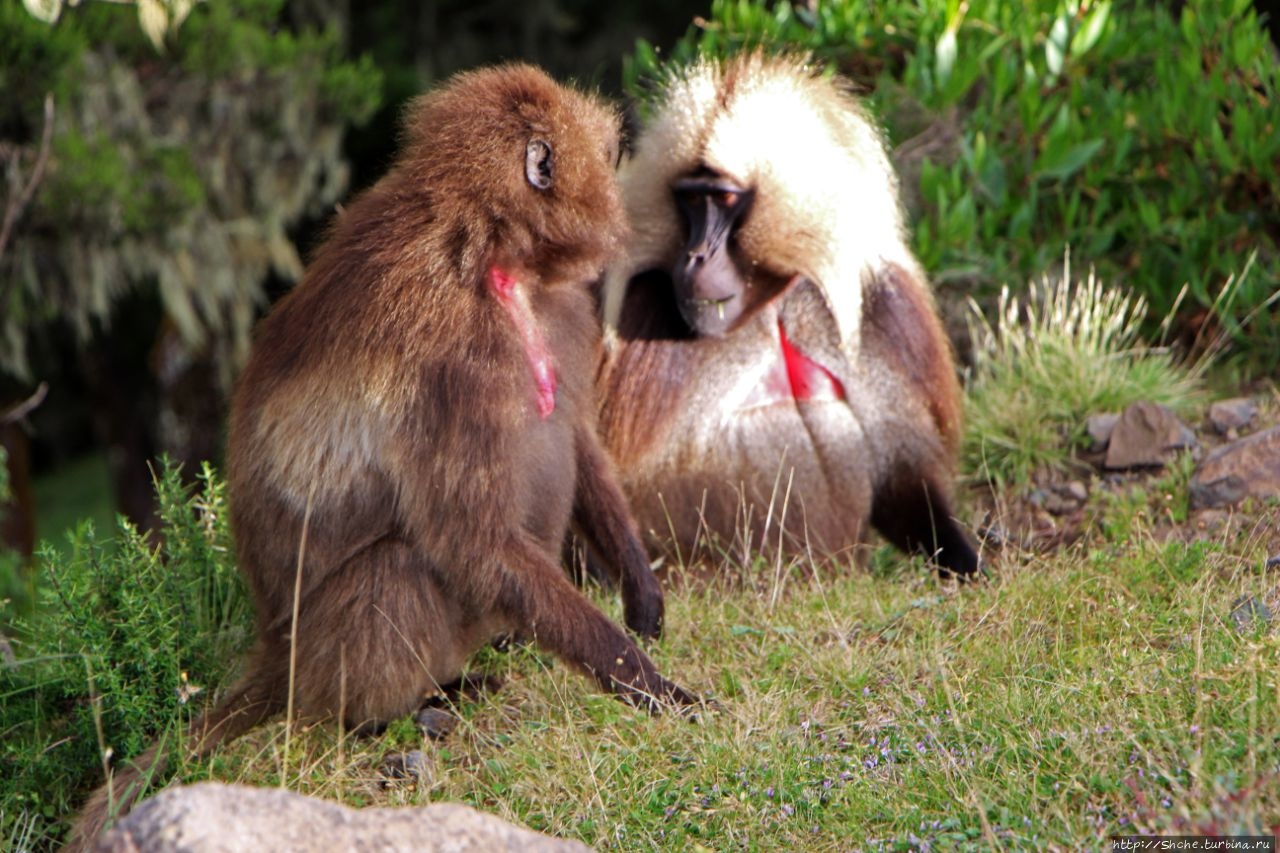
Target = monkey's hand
(637,682)
(643,609)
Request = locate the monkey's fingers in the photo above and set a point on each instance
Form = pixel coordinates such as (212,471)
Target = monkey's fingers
(955,557)
(667,697)
(643,614)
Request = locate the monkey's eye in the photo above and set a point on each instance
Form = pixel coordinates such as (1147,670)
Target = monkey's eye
(729,200)
(538,166)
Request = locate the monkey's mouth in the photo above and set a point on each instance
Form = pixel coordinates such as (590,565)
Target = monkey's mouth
(693,304)
(710,316)
(708,303)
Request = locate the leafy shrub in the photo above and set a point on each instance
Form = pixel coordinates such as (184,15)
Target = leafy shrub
(124,633)
(1146,140)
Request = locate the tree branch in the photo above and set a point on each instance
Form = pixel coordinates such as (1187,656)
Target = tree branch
(18,411)
(19,201)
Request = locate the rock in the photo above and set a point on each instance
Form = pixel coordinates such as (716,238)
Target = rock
(213,818)
(435,723)
(1076,490)
(1247,467)
(407,765)
(1062,498)
(1249,614)
(1146,435)
(1100,428)
(1227,416)
(1272,563)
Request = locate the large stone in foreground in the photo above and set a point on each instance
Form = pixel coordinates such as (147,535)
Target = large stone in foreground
(213,818)
(1247,468)
(1147,434)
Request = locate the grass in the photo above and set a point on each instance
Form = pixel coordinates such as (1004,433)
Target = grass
(1097,691)
(1069,350)
(71,493)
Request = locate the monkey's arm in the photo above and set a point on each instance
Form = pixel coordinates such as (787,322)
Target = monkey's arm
(914,386)
(538,596)
(601,515)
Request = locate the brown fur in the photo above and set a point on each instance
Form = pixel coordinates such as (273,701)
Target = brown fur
(820,252)
(388,415)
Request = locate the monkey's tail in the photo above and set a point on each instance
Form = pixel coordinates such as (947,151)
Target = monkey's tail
(250,702)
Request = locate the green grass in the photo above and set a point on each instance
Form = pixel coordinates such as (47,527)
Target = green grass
(1096,690)
(73,492)
(1101,690)
(1068,350)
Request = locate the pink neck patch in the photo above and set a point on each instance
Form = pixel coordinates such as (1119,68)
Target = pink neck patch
(516,302)
(809,380)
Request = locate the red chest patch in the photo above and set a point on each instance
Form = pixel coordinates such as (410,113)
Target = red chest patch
(512,297)
(808,379)
(791,376)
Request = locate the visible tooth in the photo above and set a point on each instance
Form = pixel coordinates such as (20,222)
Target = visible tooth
(720,308)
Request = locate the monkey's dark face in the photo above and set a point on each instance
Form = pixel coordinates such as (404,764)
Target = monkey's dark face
(710,290)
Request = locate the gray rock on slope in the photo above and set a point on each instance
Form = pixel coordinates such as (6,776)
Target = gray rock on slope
(213,818)
(1248,467)
(1227,416)
(1147,434)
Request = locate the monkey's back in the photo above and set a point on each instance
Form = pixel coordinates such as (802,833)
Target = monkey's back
(324,412)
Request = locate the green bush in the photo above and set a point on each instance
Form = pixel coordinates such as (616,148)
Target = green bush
(1068,350)
(124,634)
(1145,140)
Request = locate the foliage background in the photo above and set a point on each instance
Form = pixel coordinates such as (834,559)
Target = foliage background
(1144,136)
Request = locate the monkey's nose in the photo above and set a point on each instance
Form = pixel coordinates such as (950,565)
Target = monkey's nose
(694,258)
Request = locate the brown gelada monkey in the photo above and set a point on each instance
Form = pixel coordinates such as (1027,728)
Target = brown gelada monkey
(776,374)
(415,429)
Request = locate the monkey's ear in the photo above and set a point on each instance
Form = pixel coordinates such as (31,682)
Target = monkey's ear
(539,167)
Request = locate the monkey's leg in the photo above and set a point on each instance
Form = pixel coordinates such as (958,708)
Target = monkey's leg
(378,637)
(603,517)
(539,597)
(912,380)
